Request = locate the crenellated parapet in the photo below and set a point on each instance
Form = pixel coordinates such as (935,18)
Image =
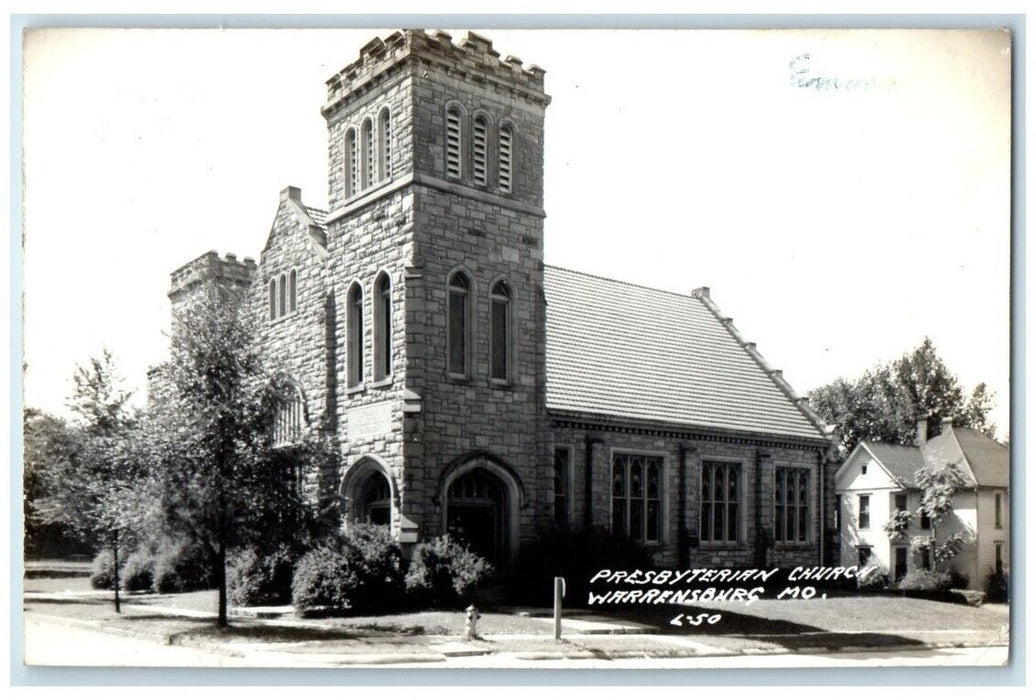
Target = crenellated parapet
(472,57)
(227,272)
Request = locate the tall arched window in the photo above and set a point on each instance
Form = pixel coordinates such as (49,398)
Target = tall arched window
(282,296)
(382,327)
(352,164)
(385,143)
(458,324)
(478,150)
(367,139)
(273,298)
(500,332)
(287,425)
(505,155)
(354,321)
(453,140)
(293,291)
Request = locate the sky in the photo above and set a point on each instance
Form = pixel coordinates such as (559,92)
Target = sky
(843,193)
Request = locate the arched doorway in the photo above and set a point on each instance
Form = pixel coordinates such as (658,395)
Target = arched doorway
(368,493)
(476,513)
(481,497)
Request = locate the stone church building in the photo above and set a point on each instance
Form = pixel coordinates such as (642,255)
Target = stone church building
(473,389)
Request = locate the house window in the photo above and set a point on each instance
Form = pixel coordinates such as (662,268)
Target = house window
(354,312)
(561,476)
(293,291)
(385,143)
(500,331)
(453,169)
(720,502)
(287,425)
(863,468)
(900,502)
(998,562)
(926,558)
(273,299)
(926,520)
(458,324)
(367,168)
(863,554)
(791,501)
(504,175)
(478,150)
(352,165)
(382,327)
(864,512)
(637,496)
(998,511)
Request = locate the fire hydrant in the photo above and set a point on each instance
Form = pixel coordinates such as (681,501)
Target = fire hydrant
(470,618)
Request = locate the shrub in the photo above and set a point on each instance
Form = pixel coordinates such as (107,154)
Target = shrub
(359,571)
(575,556)
(925,580)
(259,578)
(997,587)
(872,576)
(136,573)
(181,567)
(445,572)
(102,576)
(958,580)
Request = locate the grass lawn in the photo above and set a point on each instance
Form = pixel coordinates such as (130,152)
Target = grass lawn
(765,624)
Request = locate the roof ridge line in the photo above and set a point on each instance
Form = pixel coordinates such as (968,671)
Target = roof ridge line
(618,281)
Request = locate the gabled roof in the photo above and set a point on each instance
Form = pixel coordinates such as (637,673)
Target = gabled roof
(319,216)
(900,461)
(623,351)
(984,460)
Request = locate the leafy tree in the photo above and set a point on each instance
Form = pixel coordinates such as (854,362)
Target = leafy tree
(217,478)
(91,481)
(885,402)
(939,484)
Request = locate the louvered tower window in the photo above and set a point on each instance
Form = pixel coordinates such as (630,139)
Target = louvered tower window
(453,169)
(506,138)
(385,143)
(478,150)
(352,166)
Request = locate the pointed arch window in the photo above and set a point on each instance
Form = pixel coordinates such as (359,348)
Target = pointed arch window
(500,332)
(382,327)
(478,150)
(368,162)
(458,335)
(293,291)
(505,157)
(352,165)
(354,321)
(282,296)
(287,425)
(385,143)
(273,299)
(453,141)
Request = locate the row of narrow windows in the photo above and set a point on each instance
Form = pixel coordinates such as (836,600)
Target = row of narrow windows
(638,492)
(284,292)
(480,150)
(368,156)
(460,321)
(382,308)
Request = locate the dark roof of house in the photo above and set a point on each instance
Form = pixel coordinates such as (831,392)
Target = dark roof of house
(623,351)
(901,461)
(984,460)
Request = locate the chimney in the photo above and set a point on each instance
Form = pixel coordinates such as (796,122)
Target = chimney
(922,432)
(292,193)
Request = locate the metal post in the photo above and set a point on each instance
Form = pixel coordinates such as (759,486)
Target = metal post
(559,593)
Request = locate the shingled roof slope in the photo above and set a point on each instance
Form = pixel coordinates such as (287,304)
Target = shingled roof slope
(625,351)
(984,460)
(901,461)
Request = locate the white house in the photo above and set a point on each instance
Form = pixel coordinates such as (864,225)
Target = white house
(877,480)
